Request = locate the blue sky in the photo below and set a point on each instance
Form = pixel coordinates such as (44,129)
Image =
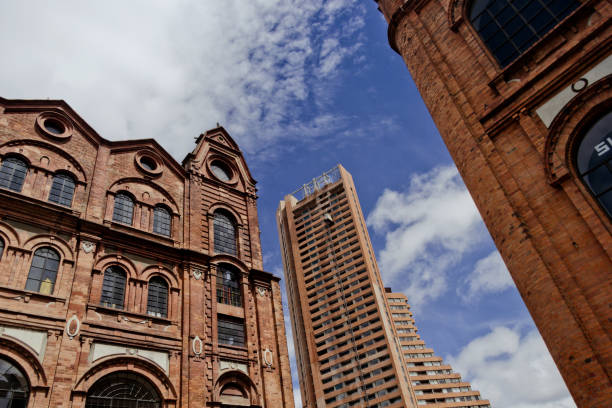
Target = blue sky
(301,86)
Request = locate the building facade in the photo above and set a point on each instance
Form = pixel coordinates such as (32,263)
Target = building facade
(128,279)
(434,382)
(521,94)
(346,350)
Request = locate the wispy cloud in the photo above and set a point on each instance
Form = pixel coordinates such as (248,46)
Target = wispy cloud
(428,229)
(170,70)
(512,370)
(490,275)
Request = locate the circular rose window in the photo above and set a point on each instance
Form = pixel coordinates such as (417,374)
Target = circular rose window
(148,163)
(54,125)
(221,171)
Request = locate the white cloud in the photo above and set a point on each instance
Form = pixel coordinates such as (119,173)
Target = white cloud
(428,229)
(511,371)
(170,70)
(490,275)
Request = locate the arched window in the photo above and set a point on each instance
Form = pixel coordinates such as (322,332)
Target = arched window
(14,387)
(225,233)
(113,287)
(1,247)
(62,190)
(157,300)
(124,209)
(161,221)
(228,286)
(13,173)
(594,161)
(509,27)
(43,271)
(123,390)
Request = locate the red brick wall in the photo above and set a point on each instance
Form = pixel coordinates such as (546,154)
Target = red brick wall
(553,236)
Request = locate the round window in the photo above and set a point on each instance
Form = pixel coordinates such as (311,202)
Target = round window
(148,163)
(221,171)
(54,126)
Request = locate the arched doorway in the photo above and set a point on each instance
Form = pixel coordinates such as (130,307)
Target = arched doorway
(14,387)
(123,390)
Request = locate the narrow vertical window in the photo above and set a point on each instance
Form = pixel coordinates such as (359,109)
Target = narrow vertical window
(62,190)
(230,331)
(594,161)
(157,300)
(1,247)
(43,271)
(228,286)
(161,221)
(225,233)
(509,27)
(13,173)
(113,287)
(123,210)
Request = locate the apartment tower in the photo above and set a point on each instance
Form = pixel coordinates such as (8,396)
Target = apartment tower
(346,350)
(435,384)
(521,92)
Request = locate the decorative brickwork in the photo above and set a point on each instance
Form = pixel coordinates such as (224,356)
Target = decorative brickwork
(513,133)
(90,320)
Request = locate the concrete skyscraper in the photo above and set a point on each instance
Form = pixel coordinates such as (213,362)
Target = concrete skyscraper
(348,350)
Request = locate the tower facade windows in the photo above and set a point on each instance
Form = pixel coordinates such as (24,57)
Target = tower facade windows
(43,271)
(509,27)
(230,331)
(594,161)
(113,287)
(225,233)
(123,211)
(228,286)
(162,222)
(62,190)
(12,173)
(157,300)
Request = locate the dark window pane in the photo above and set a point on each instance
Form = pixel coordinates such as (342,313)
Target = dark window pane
(1,247)
(228,286)
(230,331)
(157,301)
(123,390)
(113,287)
(62,190)
(161,221)
(124,209)
(509,27)
(14,388)
(594,161)
(225,233)
(43,271)
(13,173)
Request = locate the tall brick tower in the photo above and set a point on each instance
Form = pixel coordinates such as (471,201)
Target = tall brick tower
(521,92)
(346,350)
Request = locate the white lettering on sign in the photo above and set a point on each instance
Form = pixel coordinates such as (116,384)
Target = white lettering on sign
(603,147)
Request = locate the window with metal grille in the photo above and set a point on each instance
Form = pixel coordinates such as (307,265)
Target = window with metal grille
(13,173)
(123,209)
(62,190)
(157,300)
(14,388)
(123,390)
(594,161)
(43,271)
(228,286)
(509,27)
(230,331)
(225,233)
(113,287)
(161,221)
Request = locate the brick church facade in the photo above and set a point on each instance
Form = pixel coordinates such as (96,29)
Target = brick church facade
(128,279)
(521,92)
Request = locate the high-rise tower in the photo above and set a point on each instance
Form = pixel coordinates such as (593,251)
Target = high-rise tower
(434,382)
(521,92)
(346,350)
